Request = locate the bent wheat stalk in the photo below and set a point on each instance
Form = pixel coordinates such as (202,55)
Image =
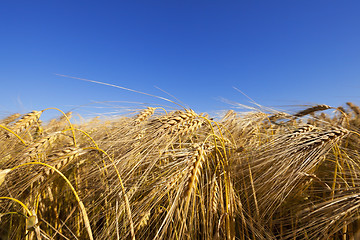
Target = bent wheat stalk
(81,205)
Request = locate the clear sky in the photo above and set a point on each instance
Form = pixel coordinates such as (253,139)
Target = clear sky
(289,52)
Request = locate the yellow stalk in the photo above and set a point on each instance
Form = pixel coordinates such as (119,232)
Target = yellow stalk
(19,202)
(68,120)
(11,131)
(81,205)
(126,200)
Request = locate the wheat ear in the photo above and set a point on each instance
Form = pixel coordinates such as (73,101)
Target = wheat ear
(10,119)
(194,170)
(303,129)
(182,122)
(355,108)
(26,121)
(144,115)
(144,220)
(214,197)
(40,145)
(313,109)
(61,158)
(317,139)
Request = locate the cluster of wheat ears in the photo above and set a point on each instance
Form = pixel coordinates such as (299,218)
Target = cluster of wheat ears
(182,175)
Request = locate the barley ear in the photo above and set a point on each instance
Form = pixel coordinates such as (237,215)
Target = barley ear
(10,119)
(355,108)
(194,171)
(313,109)
(144,115)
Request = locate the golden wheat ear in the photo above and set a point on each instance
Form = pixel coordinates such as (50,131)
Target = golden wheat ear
(354,108)
(25,122)
(194,170)
(144,115)
(10,119)
(311,110)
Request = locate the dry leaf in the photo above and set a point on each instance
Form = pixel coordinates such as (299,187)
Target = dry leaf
(31,222)
(3,173)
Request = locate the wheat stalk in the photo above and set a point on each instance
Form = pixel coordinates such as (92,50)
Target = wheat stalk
(181,178)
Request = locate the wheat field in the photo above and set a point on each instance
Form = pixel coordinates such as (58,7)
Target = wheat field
(161,174)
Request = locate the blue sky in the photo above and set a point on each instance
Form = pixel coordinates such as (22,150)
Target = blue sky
(279,53)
